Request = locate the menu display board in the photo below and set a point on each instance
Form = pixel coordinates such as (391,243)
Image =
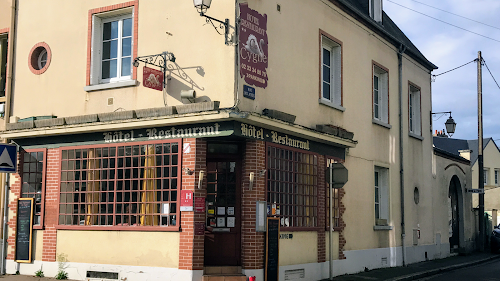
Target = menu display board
(24,232)
(272,249)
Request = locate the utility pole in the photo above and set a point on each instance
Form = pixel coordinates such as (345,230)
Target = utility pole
(480,150)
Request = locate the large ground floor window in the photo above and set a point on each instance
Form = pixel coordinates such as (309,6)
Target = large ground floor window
(120,185)
(292,186)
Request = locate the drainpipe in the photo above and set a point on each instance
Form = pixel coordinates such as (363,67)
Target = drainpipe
(236,56)
(3,261)
(10,60)
(401,51)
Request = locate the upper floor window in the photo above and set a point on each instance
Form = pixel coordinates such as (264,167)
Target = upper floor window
(112,45)
(331,76)
(33,181)
(496,177)
(486,175)
(3,64)
(380,94)
(414,110)
(381,182)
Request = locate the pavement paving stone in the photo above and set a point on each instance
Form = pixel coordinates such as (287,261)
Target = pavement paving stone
(418,270)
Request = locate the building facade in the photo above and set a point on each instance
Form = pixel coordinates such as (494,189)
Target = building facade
(149,175)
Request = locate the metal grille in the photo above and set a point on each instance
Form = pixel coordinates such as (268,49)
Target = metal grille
(33,170)
(292,187)
(122,185)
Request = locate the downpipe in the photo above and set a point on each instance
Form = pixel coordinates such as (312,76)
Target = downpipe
(401,51)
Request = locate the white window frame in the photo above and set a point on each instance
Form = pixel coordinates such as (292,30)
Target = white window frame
(98,21)
(381,195)
(382,103)
(486,173)
(414,109)
(335,78)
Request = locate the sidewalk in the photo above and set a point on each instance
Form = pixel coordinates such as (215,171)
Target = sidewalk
(419,270)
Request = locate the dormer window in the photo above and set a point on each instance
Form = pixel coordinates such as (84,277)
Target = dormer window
(376,10)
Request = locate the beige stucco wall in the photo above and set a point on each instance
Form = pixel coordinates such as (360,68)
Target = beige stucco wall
(335,245)
(202,57)
(303,248)
(491,160)
(5,13)
(160,249)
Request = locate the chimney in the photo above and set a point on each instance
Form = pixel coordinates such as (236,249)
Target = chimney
(376,10)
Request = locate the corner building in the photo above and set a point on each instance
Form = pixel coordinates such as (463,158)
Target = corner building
(146,141)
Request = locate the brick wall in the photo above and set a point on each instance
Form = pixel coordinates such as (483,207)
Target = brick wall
(342,240)
(191,246)
(252,243)
(52,178)
(15,189)
(321,210)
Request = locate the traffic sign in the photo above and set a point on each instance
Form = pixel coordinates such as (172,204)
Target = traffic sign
(475,190)
(8,158)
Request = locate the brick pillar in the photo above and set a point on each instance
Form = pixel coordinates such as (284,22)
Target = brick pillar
(15,189)
(191,247)
(252,243)
(342,240)
(321,209)
(51,205)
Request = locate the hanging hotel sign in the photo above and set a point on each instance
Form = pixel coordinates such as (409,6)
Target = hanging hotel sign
(152,78)
(253,50)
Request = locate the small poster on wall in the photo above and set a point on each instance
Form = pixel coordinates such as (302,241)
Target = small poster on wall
(221,222)
(230,221)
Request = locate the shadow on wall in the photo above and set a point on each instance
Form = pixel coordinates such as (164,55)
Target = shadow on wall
(179,80)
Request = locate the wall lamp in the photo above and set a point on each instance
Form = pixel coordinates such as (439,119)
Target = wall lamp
(251,178)
(159,60)
(449,124)
(202,6)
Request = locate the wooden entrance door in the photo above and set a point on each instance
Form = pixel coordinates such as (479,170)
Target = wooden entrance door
(223,231)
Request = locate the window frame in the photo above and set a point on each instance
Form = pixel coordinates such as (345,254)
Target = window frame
(175,228)
(382,74)
(94,45)
(314,208)
(41,61)
(43,182)
(382,189)
(414,110)
(496,176)
(334,46)
(486,172)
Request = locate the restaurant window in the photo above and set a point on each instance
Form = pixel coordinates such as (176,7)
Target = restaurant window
(123,185)
(335,201)
(33,181)
(292,187)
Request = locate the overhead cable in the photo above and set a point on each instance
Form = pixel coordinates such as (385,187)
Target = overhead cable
(435,75)
(491,74)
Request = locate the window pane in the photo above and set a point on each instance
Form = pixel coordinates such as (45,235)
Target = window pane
(326,74)
(326,91)
(109,69)
(126,47)
(375,83)
(127,27)
(110,49)
(110,30)
(376,113)
(126,66)
(326,57)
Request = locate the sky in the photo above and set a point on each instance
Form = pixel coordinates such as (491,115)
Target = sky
(448,47)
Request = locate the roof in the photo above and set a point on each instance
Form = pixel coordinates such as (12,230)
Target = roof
(451,156)
(454,146)
(387,28)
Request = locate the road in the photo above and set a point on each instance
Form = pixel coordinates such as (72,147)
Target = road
(489,271)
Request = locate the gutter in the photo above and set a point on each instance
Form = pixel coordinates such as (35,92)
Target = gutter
(401,51)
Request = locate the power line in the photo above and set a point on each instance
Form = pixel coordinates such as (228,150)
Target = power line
(445,22)
(455,14)
(434,76)
(491,74)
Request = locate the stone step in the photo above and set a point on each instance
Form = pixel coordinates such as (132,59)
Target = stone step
(225,277)
(222,270)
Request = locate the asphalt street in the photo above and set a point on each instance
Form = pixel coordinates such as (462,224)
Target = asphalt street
(489,271)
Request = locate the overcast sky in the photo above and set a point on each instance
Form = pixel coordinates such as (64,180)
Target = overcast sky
(448,47)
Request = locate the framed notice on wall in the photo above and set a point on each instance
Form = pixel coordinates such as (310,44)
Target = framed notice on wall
(272,249)
(24,230)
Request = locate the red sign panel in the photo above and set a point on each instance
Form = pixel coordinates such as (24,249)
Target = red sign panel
(253,50)
(152,78)
(187,200)
(199,204)
(199,228)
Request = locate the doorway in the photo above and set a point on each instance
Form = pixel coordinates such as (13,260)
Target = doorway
(453,216)
(223,213)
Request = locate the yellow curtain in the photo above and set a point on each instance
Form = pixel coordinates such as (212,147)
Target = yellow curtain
(93,188)
(148,196)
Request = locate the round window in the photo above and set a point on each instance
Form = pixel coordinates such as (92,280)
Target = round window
(39,58)
(416,195)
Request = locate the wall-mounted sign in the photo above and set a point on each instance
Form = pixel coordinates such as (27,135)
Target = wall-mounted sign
(248,92)
(187,200)
(199,228)
(152,78)
(24,230)
(253,50)
(8,156)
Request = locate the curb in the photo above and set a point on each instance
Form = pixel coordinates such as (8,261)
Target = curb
(431,272)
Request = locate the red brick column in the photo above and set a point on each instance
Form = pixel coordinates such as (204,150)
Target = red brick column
(52,179)
(15,188)
(321,209)
(252,243)
(191,247)
(342,240)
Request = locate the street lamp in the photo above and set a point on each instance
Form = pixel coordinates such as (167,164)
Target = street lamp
(450,124)
(202,6)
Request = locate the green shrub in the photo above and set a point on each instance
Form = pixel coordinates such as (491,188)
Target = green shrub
(62,275)
(39,273)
